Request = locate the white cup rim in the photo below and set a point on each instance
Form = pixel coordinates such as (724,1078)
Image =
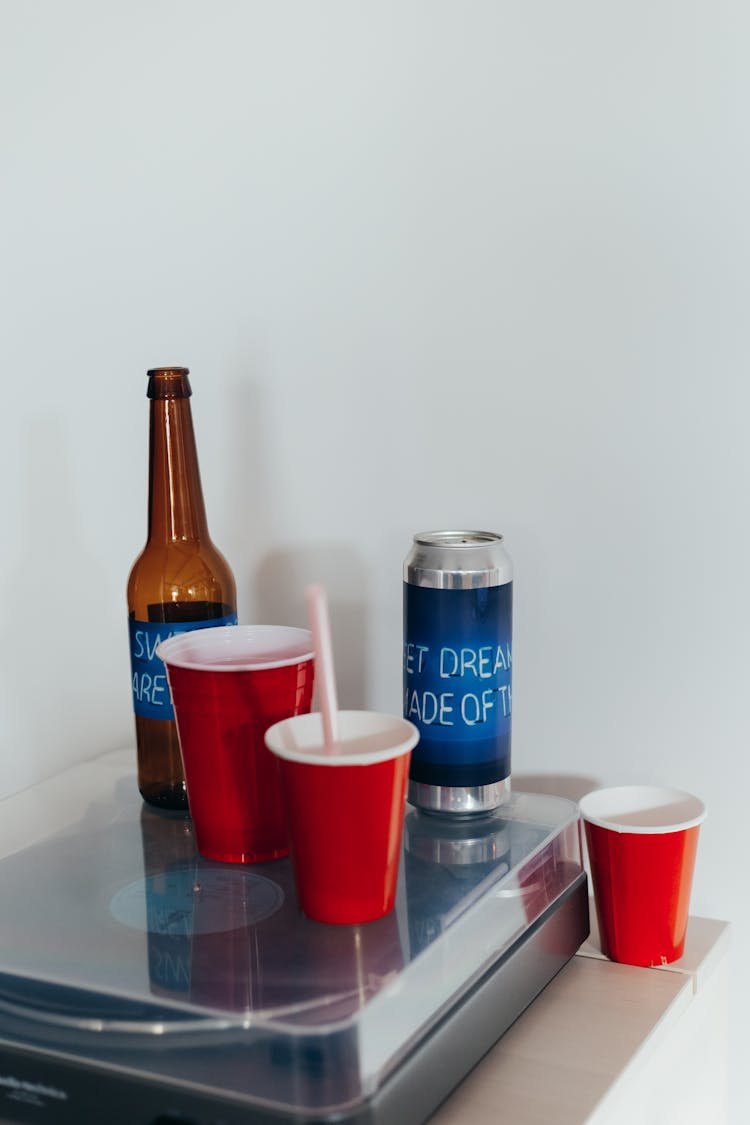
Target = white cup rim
(642,809)
(226,639)
(300,738)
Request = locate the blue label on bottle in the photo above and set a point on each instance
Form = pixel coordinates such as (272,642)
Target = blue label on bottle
(151,699)
(457,682)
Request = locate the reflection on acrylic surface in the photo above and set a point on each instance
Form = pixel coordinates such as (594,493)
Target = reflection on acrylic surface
(450,862)
(232,938)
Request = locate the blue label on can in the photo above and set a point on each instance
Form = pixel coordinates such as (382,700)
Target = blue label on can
(457,682)
(151,698)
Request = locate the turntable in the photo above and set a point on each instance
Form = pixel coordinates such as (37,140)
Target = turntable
(143,985)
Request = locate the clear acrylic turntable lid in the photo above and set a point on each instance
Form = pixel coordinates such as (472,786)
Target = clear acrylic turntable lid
(117,935)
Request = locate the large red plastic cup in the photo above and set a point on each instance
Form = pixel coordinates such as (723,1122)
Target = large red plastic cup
(345,811)
(641,844)
(228,685)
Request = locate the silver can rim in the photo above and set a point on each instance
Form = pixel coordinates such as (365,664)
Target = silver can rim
(459,800)
(458,560)
(462,540)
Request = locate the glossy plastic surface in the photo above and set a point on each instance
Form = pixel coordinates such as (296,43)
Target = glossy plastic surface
(120,943)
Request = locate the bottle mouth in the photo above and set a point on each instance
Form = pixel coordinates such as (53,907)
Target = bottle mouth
(168,382)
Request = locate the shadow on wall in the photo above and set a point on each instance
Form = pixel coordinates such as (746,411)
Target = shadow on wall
(570,786)
(271,584)
(281,579)
(247,493)
(58,680)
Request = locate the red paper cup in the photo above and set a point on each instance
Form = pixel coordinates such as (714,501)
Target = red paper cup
(228,685)
(345,811)
(641,843)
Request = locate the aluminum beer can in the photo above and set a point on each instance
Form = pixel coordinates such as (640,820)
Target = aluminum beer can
(458,617)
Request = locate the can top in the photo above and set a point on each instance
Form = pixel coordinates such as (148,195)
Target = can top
(458,560)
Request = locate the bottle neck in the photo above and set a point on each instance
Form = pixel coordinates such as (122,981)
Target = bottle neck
(176,511)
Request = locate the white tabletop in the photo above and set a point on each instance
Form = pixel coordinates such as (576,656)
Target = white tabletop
(606,1043)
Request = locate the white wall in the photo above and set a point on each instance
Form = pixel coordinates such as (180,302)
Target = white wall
(430,264)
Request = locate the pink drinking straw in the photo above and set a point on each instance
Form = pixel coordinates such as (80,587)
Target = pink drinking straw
(320,626)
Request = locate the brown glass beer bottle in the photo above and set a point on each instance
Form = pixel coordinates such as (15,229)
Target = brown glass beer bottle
(180,581)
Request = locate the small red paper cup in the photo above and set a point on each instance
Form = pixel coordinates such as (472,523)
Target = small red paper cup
(641,843)
(344,811)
